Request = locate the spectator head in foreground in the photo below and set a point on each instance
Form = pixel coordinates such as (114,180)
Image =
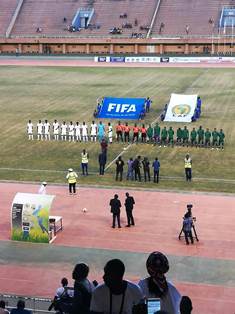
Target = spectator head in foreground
(113,273)
(185,305)
(80,272)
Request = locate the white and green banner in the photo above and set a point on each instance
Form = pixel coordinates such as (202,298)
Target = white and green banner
(30,217)
(181,108)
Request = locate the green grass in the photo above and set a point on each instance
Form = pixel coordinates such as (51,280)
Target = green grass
(70,94)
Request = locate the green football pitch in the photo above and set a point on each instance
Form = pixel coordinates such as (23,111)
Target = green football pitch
(69,93)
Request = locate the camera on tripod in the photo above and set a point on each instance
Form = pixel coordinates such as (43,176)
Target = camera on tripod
(187,215)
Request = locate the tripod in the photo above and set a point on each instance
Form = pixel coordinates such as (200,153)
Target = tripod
(194,233)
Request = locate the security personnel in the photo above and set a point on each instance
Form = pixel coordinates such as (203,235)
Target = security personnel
(129,204)
(146,168)
(72,180)
(188,167)
(84,163)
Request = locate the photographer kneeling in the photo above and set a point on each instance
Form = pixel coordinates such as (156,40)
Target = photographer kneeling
(187,227)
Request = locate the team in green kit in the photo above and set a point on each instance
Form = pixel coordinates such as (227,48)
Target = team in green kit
(185,137)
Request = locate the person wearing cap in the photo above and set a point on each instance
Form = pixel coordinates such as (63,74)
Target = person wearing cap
(72,180)
(188,167)
(42,189)
(157,286)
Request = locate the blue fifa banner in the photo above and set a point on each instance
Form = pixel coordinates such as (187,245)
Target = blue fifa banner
(122,108)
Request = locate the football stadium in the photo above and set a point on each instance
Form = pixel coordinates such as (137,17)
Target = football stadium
(117,169)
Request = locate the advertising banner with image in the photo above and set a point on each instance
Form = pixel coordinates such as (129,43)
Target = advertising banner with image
(30,217)
(181,108)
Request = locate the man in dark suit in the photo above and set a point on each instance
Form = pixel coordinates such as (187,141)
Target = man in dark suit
(115,210)
(102,162)
(129,204)
(136,166)
(119,168)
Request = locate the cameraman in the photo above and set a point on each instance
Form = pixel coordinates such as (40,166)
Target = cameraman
(187,227)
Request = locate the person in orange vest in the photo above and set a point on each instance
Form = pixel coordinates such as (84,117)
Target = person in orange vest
(135,133)
(126,133)
(119,131)
(143,133)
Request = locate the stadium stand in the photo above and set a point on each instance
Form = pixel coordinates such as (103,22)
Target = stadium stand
(7,9)
(177,15)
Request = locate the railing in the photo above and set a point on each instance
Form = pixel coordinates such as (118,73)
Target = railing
(36,305)
(12,22)
(153,19)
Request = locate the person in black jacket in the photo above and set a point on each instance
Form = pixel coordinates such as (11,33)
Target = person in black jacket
(115,210)
(129,204)
(146,169)
(83,289)
(119,168)
(102,162)
(136,166)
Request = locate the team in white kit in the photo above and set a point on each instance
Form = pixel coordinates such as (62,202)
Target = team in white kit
(80,132)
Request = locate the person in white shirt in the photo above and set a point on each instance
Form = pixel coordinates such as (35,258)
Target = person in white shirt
(56,129)
(46,128)
(110,133)
(84,132)
(115,295)
(61,291)
(93,131)
(40,130)
(157,286)
(71,131)
(64,131)
(30,130)
(78,131)
(42,189)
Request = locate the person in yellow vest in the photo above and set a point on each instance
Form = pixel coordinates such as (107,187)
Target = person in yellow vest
(72,180)
(188,167)
(84,163)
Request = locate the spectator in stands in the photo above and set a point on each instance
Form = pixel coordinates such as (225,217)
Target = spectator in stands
(157,286)
(3,310)
(20,308)
(61,290)
(83,289)
(186,305)
(187,29)
(162,25)
(115,295)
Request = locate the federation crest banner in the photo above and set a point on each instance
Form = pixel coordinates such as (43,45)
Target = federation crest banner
(122,108)
(181,108)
